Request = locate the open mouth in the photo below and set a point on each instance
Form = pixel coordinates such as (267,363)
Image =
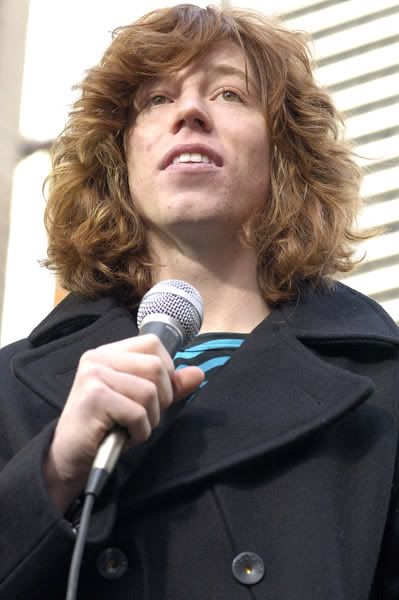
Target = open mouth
(193,156)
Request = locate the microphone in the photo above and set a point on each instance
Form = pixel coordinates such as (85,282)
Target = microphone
(173,311)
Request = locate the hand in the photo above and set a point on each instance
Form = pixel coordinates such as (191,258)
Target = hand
(127,383)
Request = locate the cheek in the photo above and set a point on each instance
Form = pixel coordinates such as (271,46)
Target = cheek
(260,142)
(139,154)
(255,163)
(260,156)
(258,171)
(252,142)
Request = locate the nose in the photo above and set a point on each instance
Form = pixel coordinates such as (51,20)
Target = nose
(192,112)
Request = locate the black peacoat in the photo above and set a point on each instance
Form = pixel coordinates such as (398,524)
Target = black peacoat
(278,482)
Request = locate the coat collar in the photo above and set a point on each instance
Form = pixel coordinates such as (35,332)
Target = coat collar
(70,315)
(340,313)
(48,367)
(274,390)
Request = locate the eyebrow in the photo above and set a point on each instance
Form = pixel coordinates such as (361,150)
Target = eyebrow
(225,69)
(215,70)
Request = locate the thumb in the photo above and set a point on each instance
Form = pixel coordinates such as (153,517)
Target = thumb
(186,380)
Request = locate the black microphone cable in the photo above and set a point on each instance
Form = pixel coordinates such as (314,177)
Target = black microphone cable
(74,569)
(173,311)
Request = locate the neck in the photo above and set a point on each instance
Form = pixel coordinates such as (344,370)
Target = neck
(226,280)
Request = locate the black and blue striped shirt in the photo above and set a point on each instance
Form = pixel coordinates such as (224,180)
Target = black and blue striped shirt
(210,352)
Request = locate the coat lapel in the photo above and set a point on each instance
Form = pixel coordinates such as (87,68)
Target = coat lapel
(272,392)
(49,367)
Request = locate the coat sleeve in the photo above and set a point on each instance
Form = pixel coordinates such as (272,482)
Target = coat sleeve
(36,540)
(386,583)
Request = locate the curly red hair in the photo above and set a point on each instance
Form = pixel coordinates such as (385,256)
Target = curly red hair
(306,230)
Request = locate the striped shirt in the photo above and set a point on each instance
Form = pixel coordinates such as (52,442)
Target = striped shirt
(210,352)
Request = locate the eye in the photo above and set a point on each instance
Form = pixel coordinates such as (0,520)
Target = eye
(230,95)
(157,100)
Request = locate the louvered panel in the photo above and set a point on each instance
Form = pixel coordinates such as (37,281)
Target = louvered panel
(338,14)
(291,5)
(389,194)
(380,182)
(360,64)
(371,91)
(379,214)
(356,46)
(384,151)
(375,120)
(379,248)
(357,36)
(284,8)
(374,281)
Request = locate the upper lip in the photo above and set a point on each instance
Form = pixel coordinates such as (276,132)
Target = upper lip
(191,148)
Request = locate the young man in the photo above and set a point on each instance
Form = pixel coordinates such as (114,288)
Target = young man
(201,149)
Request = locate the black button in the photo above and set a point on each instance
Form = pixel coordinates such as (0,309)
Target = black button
(112,563)
(248,568)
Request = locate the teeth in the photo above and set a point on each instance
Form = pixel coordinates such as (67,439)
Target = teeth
(194,157)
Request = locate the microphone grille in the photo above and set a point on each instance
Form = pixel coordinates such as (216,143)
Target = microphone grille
(177,299)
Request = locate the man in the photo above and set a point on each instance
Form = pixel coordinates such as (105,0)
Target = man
(202,149)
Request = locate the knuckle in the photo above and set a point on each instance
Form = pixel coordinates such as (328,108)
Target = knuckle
(150,392)
(95,389)
(88,356)
(167,401)
(156,420)
(156,366)
(142,428)
(154,343)
(140,414)
(90,370)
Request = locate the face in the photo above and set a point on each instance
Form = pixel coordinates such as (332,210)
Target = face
(198,151)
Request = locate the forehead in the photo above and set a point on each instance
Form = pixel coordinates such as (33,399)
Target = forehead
(225,52)
(224,58)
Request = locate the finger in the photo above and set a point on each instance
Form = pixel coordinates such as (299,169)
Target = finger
(145,366)
(132,416)
(139,390)
(142,344)
(185,381)
(81,434)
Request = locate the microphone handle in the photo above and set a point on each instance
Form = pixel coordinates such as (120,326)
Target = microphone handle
(167,329)
(172,336)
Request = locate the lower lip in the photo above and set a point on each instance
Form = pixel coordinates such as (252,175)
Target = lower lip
(192,168)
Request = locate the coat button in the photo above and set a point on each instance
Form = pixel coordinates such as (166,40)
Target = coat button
(248,568)
(112,563)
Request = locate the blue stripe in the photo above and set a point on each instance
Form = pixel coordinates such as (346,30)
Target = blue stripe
(215,344)
(194,351)
(186,354)
(214,362)
(209,364)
